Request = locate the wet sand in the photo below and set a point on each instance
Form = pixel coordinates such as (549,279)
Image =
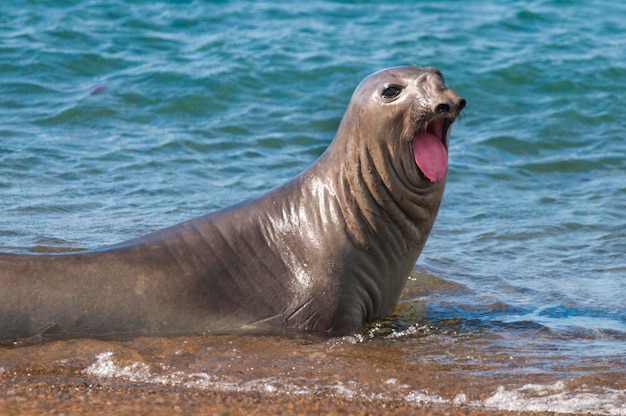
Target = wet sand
(229,375)
(73,400)
(36,394)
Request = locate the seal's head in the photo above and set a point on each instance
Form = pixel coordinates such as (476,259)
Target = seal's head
(406,113)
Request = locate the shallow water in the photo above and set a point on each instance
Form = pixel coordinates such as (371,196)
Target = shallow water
(117,119)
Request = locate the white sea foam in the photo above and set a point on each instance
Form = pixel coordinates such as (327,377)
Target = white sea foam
(411,331)
(531,397)
(106,367)
(419,398)
(556,398)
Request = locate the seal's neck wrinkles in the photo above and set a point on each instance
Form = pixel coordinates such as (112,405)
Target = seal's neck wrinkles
(377,187)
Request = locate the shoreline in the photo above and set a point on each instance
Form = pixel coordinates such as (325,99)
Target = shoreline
(231,375)
(43,397)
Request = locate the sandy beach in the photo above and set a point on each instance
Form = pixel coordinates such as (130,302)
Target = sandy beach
(229,375)
(37,397)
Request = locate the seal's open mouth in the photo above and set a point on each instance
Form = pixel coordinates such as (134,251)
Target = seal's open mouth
(430,149)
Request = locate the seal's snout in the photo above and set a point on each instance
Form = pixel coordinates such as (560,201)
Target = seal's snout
(450,106)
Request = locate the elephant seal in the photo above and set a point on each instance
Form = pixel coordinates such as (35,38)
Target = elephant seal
(326,252)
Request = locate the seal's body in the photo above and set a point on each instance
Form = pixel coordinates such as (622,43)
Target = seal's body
(325,252)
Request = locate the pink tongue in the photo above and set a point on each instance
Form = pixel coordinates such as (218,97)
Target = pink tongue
(430,155)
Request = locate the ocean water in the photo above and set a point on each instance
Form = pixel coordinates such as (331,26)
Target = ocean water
(118,118)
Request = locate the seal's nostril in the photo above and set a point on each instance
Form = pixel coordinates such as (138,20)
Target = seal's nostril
(442,108)
(462,104)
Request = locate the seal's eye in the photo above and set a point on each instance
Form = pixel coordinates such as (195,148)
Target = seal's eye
(391,91)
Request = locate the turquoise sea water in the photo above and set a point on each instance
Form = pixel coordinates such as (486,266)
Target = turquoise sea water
(118,118)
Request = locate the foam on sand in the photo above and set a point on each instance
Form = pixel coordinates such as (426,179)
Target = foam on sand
(530,397)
